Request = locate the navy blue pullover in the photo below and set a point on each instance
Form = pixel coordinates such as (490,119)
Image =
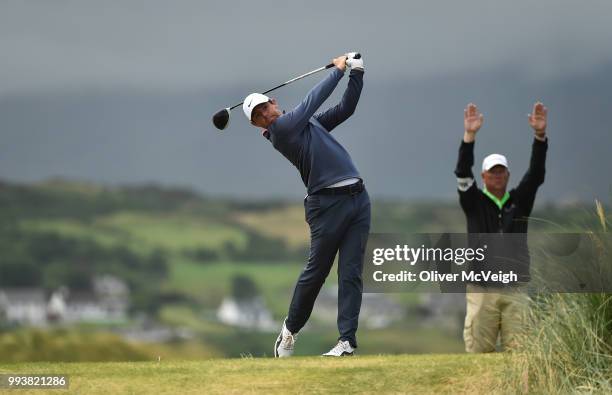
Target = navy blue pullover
(304,138)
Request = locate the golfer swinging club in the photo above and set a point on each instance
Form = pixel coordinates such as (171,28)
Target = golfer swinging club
(337,206)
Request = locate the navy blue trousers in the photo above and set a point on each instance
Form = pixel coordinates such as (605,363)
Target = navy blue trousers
(338,223)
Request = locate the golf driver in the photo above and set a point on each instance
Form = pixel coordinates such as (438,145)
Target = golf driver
(222,117)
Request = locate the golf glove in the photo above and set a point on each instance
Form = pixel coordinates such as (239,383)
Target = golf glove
(355,64)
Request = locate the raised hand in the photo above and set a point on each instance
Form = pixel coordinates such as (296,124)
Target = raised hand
(340,62)
(355,64)
(537,120)
(472,121)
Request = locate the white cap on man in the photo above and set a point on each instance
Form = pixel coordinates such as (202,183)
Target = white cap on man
(251,101)
(493,160)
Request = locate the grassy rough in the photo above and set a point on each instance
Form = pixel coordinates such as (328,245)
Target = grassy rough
(567,347)
(567,344)
(83,345)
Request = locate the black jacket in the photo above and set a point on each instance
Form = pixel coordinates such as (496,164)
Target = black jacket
(484,216)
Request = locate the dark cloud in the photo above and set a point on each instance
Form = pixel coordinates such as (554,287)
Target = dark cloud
(123,91)
(187,44)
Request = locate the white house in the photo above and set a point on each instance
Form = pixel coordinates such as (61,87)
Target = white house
(26,306)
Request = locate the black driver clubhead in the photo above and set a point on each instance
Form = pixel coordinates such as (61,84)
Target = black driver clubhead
(221,118)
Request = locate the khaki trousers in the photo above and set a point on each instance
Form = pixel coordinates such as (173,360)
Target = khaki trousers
(492,314)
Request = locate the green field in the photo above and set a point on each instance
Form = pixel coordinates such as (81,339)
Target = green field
(413,374)
(144,233)
(209,283)
(182,253)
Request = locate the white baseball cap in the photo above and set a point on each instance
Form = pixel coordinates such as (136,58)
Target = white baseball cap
(251,101)
(493,160)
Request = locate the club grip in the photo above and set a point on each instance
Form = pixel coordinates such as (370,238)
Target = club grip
(357,56)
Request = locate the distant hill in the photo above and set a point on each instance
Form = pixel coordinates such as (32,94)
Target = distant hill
(62,232)
(403,137)
(179,251)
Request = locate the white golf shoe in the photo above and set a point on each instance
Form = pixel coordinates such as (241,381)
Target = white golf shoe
(283,347)
(342,349)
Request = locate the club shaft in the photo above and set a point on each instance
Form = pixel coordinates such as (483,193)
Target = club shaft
(291,80)
(298,78)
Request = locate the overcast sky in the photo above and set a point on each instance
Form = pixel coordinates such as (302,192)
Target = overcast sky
(123,91)
(177,45)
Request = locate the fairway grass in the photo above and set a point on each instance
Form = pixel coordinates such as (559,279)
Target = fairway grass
(413,374)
